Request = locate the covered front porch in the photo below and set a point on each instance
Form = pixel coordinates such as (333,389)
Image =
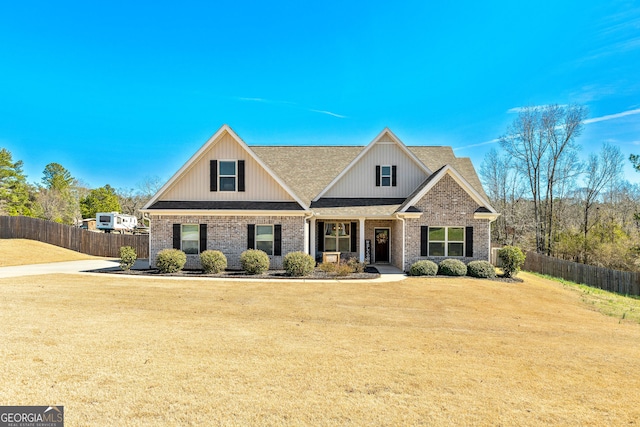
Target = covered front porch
(370,240)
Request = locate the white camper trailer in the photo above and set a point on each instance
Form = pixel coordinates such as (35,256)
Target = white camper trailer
(114,221)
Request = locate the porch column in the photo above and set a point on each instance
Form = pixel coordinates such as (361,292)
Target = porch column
(306,237)
(312,237)
(361,239)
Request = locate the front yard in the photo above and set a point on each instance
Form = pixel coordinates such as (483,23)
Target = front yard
(439,351)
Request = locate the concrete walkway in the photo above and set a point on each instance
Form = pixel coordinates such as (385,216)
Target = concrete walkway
(387,273)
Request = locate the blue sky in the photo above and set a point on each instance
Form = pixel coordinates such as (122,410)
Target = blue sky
(121,91)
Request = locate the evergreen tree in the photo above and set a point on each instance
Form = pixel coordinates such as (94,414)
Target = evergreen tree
(103,199)
(15,193)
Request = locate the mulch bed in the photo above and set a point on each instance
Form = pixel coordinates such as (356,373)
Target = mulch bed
(369,273)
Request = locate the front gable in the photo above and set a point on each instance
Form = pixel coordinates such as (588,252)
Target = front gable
(385,168)
(223,174)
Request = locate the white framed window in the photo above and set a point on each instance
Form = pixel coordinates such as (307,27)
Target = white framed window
(190,238)
(385,176)
(264,238)
(337,237)
(446,241)
(227,174)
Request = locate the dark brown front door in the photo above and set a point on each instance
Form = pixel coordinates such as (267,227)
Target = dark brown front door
(381,243)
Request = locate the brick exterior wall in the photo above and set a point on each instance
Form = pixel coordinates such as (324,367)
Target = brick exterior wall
(227,234)
(447,204)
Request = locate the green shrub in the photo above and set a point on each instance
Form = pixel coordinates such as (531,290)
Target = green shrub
(328,267)
(481,269)
(128,257)
(512,259)
(171,260)
(254,261)
(423,268)
(298,264)
(452,267)
(213,261)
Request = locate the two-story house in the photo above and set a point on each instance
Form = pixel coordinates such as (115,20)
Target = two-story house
(382,203)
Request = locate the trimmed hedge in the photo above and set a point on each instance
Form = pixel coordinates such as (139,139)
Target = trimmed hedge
(128,257)
(171,260)
(423,268)
(512,259)
(452,267)
(298,264)
(213,261)
(481,269)
(254,261)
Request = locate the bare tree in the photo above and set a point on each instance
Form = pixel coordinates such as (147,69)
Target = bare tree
(541,143)
(600,171)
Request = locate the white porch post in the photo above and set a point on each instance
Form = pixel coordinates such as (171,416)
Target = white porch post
(306,237)
(361,239)
(312,236)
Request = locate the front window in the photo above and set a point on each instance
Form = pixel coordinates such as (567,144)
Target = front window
(446,241)
(385,176)
(264,238)
(227,175)
(337,237)
(190,238)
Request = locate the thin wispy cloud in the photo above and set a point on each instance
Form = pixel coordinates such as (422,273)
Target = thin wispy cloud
(612,116)
(516,110)
(291,104)
(586,122)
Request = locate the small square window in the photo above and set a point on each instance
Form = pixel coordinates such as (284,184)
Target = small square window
(446,241)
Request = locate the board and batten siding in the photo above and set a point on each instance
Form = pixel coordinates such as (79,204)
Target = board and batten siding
(194,184)
(360,180)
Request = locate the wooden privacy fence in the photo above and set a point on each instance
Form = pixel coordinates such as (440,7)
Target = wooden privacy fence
(622,282)
(74,238)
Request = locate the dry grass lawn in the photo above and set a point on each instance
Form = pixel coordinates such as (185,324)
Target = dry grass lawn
(120,351)
(23,252)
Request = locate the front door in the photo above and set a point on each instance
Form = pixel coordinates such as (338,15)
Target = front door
(381,244)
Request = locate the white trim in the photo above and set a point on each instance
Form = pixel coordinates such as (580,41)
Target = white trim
(220,176)
(366,149)
(361,225)
(448,169)
(486,215)
(312,237)
(210,142)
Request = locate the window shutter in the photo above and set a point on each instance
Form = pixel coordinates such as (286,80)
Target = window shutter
(468,240)
(203,237)
(240,175)
(393,175)
(176,236)
(378,176)
(213,175)
(354,236)
(251,236)
(424,240)
(320,236)
(277,240)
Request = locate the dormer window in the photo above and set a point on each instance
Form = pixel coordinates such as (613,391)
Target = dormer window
(386,176)
(228,175)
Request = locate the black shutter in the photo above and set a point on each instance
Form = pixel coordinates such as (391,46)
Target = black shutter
(213,175)
(176,236)
(320,236)
(203,237)
(424,240)
(354,236)
(468,240)
(240,175)
(251,236)
(393,175)
(277,240)
(378,176)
